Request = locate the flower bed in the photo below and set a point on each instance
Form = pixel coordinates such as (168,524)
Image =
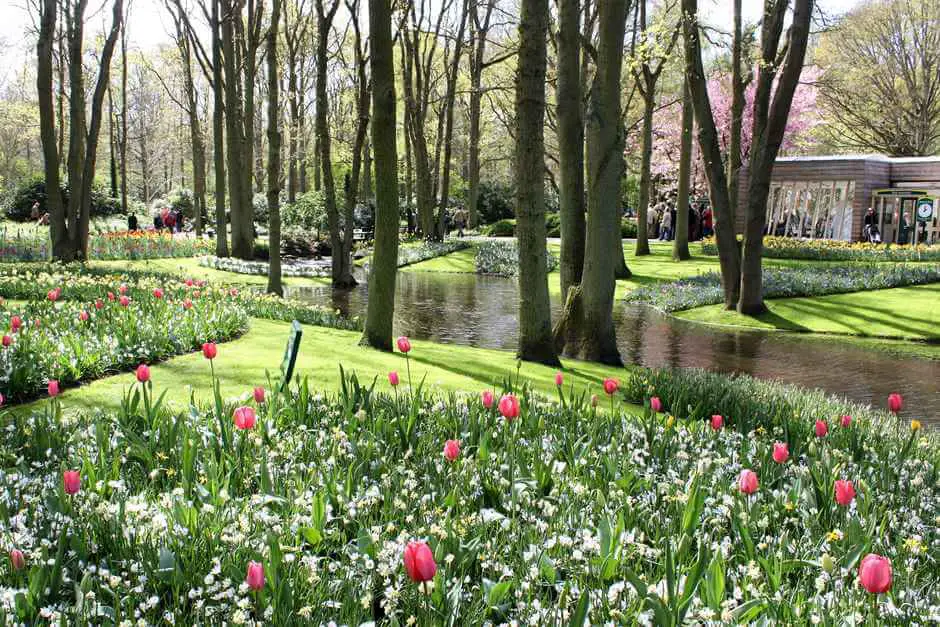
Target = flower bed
(705,289)
(415,508)
(501,257)
(835,250)
(108,245)
(241,266)
(410,254)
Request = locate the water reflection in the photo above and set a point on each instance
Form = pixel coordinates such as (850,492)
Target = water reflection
(481,311)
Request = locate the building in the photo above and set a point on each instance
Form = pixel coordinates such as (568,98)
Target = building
(828,197)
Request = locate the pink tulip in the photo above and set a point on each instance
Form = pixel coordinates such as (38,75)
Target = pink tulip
(244,417)
(610,386)
(845,421)
(656,405)
(53,295)
(7,340)
(122,289)
(111,296)
(874,573)
(143,373)
(509,406)
(393,378)
(187,304)
(419,562)
(845,492)
(559,379)
(895,405)
(259,394)
(717,422)
(15,323)
(233,292)
(209,350)
(404,344)
(98,304)
(451,450)
(2,400)
(821,429)
(53,387)
(255,577)
(747,482)
(125,301)
(781,452)
(594,400)
(71,481)
(157,293)
(17,559)
(36,323)
(83,316)
(486,397)
(189,282)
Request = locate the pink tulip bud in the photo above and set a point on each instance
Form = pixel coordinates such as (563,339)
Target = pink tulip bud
(404,344)
(717,422)
(610,386)
(874,573)
(244,417)
(255,577)
(486,397)
(393,378)
(2,400)
(259,394)
(71,481)
(187,304)
(143,373)
(98,304)
(83,316)
(451,450)
(419,562)
(15,323)
(17,559)
(781,452)
(747,482)
(594,400)
(209,350)
(821,429)
(157,293)
(233,292)
(559,379)
(656,405)
(7,340)
(895,405)
(509,406)
(845,421)
(189,282)
(122,289)
(125,301)
(36,323)
(845,492)
(111,296)
(53,295)
(53,387)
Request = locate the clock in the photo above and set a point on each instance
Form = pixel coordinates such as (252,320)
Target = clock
(925,209)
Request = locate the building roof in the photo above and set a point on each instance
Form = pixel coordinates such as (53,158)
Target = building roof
(857,157)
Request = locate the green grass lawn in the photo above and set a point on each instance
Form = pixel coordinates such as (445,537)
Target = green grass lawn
(903,312)
(242,364)
(188,267)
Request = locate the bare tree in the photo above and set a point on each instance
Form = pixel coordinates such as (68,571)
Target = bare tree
(480,27)
(274,156)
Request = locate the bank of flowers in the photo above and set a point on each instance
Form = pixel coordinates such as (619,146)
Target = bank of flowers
(390,504)
(107,245)
(836,250)
(705,289)
(409,254)
(243,266)
(501,258)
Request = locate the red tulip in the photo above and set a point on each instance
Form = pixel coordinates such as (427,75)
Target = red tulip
(255,577)
(419,562)
(895,404)
(821,429)
(2,400)
(610,386)
(36,323)
(122,289)
(845,492)
(143,373)
(747,482)
(17,559)
(781,452)
(559,379)
(845,421)
(451,450)
(187,304)
(259,394)
(404,344)
(15,323)
(7,340)
(99,304)
(233,292)
(189,282)
(53,387)
(244,417)
(393,378)
(157,293)
(71,481)
(83,316)
(656,405)
(486,397)
(209,350)
(53,295)
(125,301)
(111,296)
(509,406)
(717,422)
(874,573)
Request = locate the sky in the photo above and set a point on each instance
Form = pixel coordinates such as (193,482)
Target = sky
(148,24)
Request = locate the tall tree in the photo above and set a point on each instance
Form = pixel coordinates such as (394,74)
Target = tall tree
(586,329)
(535,316)
(381,304)
(480,27)
(296,22)
(450,97)
(274,156)
(680,243)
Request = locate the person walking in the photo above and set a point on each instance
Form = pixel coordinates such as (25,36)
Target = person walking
(665,226)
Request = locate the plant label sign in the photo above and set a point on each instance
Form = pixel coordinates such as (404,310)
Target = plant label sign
(290,354)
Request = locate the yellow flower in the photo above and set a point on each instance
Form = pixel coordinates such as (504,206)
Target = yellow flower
(790,506)
(915,425)
(913,545)
(671,420)
(834,536)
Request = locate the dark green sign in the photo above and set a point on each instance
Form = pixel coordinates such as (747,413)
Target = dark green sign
(924,209)
(290,354)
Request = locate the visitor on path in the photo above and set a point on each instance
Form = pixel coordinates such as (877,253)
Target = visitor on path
(178,214)
(132,222)
(707,229)
(460,220)
(34,213)
(653,215)
(665,226)
(157,222)
(169,220)
(672,207)
(870,227)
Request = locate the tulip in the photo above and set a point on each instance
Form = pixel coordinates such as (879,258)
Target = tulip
(36,323)
(99,304)
(53,295)
(781,452)
(143,373)
(125,301)
(111,296)
(393,378)
(17,559)
(594,400)
(157,293)
(451,450)
(71,481)
(83,316)
(827,563)
(15,323)
(487,399)
(53,387)
(209,350)
(656,405)
(874,573)
(821,429)
(610,386)
(717,422)
(509,406)
(187,304)
(895,404)
(559,379)
(671,420)
(233,292)
(255,577)
(915,425)
(259,394)
(244,417)
(122,289)
(404,344)
(845,421)
(419,562)
(845,492)
(7,340)
(189,282)
(747,482)
(2,400)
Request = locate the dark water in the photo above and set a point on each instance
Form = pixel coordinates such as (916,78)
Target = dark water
(481,311)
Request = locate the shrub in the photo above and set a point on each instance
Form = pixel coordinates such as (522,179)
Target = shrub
(502,258)
(495,202)
(20,203)
(627,228)
(502,228)
(260,204)
(307,213)
(835,250)
(182,199)
(553,224)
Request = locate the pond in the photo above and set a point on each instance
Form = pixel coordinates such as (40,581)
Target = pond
(481,311)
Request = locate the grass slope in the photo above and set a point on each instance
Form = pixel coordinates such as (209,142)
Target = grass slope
(903,312)
(242,363)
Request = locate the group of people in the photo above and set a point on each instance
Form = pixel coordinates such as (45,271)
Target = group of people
(661,219)
(169,219)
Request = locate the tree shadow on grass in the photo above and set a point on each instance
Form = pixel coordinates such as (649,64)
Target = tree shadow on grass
(858,317)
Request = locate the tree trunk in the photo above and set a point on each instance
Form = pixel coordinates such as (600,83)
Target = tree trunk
(111,151)
(478,43)
(643,208)
(535,316)
(365,190)
(47,131)
(586,329)
(680,243)
(381,303)
(571,141)
(294,127)
(274,158)
(233,131)
(123,146)
(737,114)
(449,99)
(218,135)
(409,184)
